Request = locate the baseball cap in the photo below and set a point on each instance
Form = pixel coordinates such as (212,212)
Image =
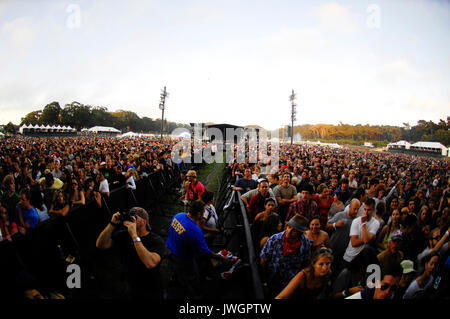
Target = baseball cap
(397,235)
(139,211)
(408,266)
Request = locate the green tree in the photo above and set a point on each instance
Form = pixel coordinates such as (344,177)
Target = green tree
(50,114)
(32,118)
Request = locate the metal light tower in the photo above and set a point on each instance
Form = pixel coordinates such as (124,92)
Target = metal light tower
(162,106)
(293,113)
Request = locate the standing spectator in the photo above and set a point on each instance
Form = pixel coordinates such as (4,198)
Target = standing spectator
(37,202)
(117,179)
(436,244)
(266,224)
(189,251)
(56,172)
(210,221)
(340,224)
(385,234)
(324,202)
(345,189)
(141,251)
(256,203)
(362,231)
(59,205)
(285,194)
(313,282)
(392,254)
(421,286)
(406,279)
(10,198)
(195,188)
(7,227)
(130,176)
(305,206)
(76,194)
(28,218)
(91,192)
(285,254)
(318,237)
(246,183)
(51,183)
(337,206)
(103,187)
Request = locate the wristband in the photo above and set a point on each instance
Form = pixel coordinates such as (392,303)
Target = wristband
(447,233)
(113,224)
(344,292)
(334,226)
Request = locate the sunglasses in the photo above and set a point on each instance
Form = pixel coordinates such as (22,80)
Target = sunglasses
(437,237)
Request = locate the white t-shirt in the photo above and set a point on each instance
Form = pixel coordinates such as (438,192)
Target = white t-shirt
(356,230)
(130,182)
(212,222)
(103,187)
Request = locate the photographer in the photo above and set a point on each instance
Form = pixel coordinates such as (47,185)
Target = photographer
(141,251)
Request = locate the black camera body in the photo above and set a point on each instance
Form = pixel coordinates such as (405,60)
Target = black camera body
(126,215)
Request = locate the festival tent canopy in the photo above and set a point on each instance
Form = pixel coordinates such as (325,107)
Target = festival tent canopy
(128,134)
(103,129)
(400,144)
(430,146)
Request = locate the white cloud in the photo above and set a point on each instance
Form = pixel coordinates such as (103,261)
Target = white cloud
(336,17)
(20,33)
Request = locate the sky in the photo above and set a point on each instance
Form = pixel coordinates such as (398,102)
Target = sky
(236,61)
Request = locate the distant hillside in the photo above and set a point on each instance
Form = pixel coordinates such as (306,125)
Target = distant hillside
(379,135)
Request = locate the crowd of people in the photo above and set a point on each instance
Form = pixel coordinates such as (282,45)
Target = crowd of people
(323,222)
(325,219)
(42,178)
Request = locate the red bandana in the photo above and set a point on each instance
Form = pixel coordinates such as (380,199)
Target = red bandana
(290,249)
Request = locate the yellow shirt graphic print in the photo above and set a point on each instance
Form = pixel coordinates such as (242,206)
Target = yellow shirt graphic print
(177,227)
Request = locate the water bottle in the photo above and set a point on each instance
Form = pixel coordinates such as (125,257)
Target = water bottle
(436,282)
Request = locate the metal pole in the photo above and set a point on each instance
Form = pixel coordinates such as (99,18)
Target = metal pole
(162,104)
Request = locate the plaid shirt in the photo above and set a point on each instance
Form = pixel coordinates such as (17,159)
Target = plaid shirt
(310,210)
(281,269)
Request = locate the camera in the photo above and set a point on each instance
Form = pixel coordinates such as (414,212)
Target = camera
(126,215)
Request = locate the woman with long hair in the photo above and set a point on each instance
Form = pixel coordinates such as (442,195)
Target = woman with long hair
(313,282)
(266,224)
(318,237)
(387,230)
(76,194)
(324,201)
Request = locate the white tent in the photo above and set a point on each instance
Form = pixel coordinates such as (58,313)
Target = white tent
(103,129)
(128,134)
(430,146)
(400,145)
(21,128)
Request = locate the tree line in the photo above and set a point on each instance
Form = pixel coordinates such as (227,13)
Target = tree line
(80,116)
(379,135)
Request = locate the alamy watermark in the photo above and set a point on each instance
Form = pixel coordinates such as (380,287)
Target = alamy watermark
(74,279)
(374,19)
(73,21)
(240,144)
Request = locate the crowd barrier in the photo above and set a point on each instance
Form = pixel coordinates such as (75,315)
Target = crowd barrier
(237,230)
(46,251)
